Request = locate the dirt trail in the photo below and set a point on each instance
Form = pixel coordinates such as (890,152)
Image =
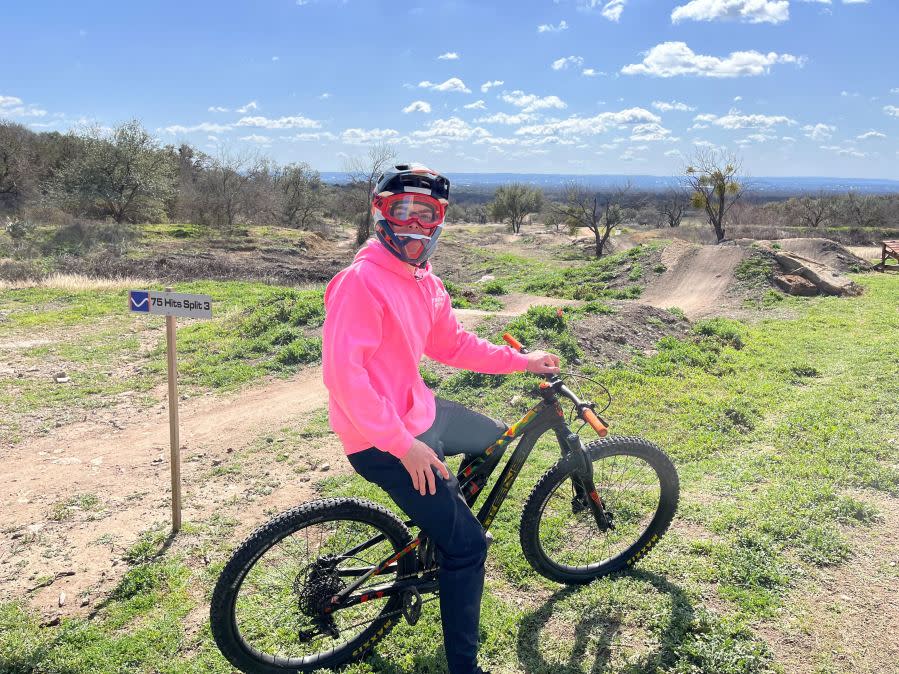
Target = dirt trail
(695,279)
(127,470)
(515,304)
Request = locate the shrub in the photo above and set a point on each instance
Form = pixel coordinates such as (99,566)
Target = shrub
(494,288)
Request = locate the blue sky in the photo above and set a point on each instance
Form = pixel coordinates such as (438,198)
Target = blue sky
(795,87)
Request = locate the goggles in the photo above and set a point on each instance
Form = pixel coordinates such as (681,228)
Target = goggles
(404,209)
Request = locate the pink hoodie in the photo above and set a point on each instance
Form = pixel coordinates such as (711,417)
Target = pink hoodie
(380,317)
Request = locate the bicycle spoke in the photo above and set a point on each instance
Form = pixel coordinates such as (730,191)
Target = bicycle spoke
(631,495)
(269,609)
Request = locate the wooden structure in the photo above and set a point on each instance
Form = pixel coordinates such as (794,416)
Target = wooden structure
(890,250)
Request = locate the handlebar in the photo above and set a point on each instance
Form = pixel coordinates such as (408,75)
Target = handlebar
(585,409)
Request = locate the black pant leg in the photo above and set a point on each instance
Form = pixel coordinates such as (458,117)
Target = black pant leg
(461,549)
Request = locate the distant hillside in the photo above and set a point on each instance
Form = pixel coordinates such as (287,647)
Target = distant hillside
(772,186)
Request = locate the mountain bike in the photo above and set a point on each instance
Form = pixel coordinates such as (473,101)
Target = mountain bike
(320,584)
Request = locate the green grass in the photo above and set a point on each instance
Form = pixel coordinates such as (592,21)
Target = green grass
(256,330)
(780,430)
(592,280)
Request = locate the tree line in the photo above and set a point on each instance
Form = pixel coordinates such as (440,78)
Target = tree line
(125,175)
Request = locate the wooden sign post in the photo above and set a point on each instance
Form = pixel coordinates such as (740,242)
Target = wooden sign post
(171,304)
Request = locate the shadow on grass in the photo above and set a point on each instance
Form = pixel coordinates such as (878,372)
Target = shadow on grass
(597,631)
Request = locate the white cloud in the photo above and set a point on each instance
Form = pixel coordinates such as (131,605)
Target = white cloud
(294,122)
(531,102)
(894,91)
(418,106)
(452,84)
(871,134)
(497,140)
(24,111)
(477,105)
(306,136)
(736,120)
(486,86)
(276,58)
(367,136)
(748,11)
(662,106)
(503,118)
(255,138)
(207,127)
(788,139)
(448,56)
(549,28)
(6,101)
(819,132)
(629,153)
(450,129)
(249,106)
(755,138)
(891,110)
(592,125)
(737,99)
(650,132)
(672,153)
(670,59)
(324,96)
(563,63)
(612,9)
(844,151)
(216,108)
(591,72)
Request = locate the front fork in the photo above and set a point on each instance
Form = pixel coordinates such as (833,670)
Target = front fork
(582,477)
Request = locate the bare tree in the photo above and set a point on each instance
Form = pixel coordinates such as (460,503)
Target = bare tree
(811,211)
(598,213)
(673,205)
(303,196)
(715,181)
(225,184)
(364,173)
(514,202)
(863,210)
(16,175)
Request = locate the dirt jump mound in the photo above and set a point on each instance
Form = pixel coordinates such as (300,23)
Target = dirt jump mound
(823,251)
(695,278)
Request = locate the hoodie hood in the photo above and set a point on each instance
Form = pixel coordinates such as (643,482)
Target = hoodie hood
(374,251)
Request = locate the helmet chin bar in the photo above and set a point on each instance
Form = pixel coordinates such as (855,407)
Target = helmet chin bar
(429,243)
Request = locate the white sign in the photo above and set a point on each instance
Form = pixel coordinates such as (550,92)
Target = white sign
(170,304)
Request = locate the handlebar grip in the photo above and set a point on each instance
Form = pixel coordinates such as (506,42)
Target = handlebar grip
(591,418)
(511,341)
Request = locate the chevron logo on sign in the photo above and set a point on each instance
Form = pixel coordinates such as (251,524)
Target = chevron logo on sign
(139,300)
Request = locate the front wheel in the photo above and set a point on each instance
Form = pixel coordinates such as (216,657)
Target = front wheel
(639,487)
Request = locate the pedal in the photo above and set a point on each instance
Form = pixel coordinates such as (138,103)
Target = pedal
(489,537)
(412,606)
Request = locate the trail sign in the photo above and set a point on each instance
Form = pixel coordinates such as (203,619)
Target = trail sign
(172,304)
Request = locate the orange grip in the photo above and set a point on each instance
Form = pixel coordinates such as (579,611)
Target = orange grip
(591,418)
(511,341)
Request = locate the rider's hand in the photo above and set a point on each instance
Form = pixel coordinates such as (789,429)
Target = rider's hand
(418,461)
(541,362)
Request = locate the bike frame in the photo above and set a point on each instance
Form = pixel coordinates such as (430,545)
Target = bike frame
(546,415)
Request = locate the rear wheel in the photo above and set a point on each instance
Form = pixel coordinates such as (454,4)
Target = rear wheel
(639,488)
(266,607)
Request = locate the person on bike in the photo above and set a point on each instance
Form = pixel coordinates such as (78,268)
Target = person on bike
(382,313)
